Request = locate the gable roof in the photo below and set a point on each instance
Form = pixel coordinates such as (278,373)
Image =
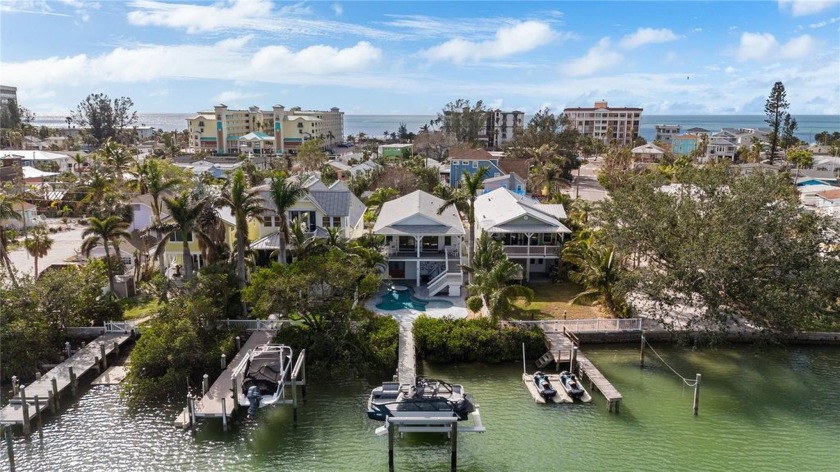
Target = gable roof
(518,166)
(648,148)
(420,203)
(511,179)
(495,209)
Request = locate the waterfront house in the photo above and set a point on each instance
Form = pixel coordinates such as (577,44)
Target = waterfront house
(422,246)
(532,232)
(322,207)
(719,147)
(665,133)
(174,250)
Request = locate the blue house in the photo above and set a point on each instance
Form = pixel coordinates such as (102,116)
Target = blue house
(470,160)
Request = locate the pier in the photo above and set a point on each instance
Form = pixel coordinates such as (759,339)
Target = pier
(563,348)
(407,367)
(221,399)
(45,393)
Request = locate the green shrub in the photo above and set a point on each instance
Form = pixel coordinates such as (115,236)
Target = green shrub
(477,340)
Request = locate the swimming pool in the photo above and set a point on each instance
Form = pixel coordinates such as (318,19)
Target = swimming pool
(400,297)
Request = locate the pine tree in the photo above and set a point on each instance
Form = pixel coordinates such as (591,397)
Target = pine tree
(776,109)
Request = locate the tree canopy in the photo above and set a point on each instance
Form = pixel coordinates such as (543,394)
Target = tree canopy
(105,118)
(733,248)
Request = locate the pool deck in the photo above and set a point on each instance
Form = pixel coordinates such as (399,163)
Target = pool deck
(457,310)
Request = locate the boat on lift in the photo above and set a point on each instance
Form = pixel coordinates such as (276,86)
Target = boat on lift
(262,373)
(427,398)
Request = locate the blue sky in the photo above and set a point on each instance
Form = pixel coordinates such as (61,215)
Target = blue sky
(714,57)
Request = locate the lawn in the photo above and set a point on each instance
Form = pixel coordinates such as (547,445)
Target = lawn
(136,308)
(552,301)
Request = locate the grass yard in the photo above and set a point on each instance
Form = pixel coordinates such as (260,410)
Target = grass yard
(552,300)
(137,308)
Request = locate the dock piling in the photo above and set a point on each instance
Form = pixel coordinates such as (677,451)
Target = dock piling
(224,415)
(234,388)
(294,400)
(189,417)
(453,440)
(391,447)
(238,344)
(72,380)
(68,349)
(15,385)
(56,402)
(642,352)
(27,428)
(573,360)
(37,376)
(10,447)
(116,349)
(102,356)
(224,361)
(205,384)
(39,423)
(696,394)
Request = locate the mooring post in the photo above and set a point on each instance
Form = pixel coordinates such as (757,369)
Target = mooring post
(238,344)
(189,412)
(453,440)
(15,386)
(116,349)
(224,416)
(103,356)
(37,376)
(192,411)
(642,352)
(72,380)
(10,448)
(56,401)
(391,447)
(68,349)
(234,388)
(25,408)
(224,361)
(51,402)
(39,423)
(573,362)
(696,394)
(97,365)
(205,384)
(294,400)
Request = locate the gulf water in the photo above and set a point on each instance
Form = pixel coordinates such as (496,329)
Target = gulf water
(376,126)
(773,409)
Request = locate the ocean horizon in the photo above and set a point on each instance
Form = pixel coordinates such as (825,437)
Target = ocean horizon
(378,125)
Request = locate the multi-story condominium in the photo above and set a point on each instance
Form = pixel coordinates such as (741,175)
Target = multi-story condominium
(664,133)
(498,127)
(226,131)
(606,124)
(7,94)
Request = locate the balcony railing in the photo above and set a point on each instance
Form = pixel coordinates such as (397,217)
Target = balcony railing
(533,251)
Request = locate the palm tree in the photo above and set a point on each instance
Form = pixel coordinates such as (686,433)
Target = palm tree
(117,157)
(304,244)
(284,194)
(38,244)
(244,204)
(599,269)
(78,162)
(104,231)
(466,193)
(375,201)
(7,213)
(184,212)
(491,285)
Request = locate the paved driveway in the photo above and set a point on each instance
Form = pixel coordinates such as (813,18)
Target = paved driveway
(65,246)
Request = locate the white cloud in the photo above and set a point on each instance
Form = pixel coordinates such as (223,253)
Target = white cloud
(644,36)
(806,7)
(600,56)
(338,9)
(763,46)
(509,40)
(698,30)
(729,70)
(229,59)
(229,96)
(827,22)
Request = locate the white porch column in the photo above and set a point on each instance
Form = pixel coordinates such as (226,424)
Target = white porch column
(528,260)
(418,241)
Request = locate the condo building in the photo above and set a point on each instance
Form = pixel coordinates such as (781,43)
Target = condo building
(7,94)
(275,131)
(498,127)
(606,124)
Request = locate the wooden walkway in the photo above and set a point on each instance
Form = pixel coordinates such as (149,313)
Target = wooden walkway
(81,362)
(210,406)
(407,363)
(560,347)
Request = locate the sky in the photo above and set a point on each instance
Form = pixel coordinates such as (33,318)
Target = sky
(674,57)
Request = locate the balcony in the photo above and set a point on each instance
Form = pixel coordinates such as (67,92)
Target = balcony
(441,254)
(543,251)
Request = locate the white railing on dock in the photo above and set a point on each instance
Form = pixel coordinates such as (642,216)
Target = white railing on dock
(120,326)
(253,325)
(585,326)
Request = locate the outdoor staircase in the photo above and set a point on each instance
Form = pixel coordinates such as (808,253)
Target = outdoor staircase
(444,280)
(544,360)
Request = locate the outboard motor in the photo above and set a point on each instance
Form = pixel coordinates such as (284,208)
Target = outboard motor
(254,396)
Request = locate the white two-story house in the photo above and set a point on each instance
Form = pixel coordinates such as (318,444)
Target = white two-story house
(532,232)
(423,247)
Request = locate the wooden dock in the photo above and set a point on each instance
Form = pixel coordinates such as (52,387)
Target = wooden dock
(210,404)
(562,349)
(407,363)
(53,383)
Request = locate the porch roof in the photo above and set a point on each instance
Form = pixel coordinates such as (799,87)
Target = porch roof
(419,230)
(533,229)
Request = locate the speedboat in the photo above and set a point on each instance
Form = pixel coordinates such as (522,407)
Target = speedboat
(427,398)
(261,374)
(543,384)
(571,384)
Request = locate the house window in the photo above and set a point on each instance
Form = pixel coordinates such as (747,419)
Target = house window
(178,236)
(197,261)
(430,243)
(325,222)
(447,240)
(336,222)
(474,164)
(548,238)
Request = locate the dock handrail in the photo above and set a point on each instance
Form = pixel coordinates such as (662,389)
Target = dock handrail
(584,326)
(299,363)
(253,325)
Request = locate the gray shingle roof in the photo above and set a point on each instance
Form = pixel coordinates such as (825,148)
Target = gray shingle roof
(334,203)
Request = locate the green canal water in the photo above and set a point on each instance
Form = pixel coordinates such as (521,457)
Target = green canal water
(760,410)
